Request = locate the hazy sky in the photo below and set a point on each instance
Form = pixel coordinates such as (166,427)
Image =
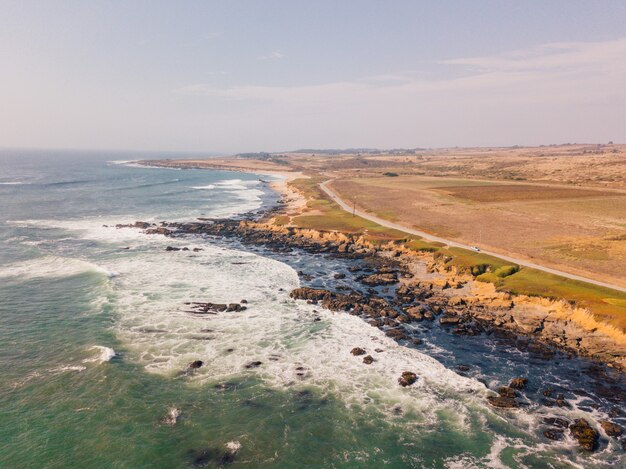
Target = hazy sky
(271,75)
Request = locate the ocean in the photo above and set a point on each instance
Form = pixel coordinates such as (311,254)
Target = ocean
(96,338)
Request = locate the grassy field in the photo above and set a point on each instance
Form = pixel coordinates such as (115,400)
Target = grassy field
(568,228)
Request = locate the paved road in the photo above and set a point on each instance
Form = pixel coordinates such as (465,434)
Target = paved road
(347,207)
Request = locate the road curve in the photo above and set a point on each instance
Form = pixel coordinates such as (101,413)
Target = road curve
(333,195)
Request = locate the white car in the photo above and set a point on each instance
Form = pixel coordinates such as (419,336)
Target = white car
(475,248)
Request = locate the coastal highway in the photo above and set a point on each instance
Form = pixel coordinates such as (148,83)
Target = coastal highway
(348,208)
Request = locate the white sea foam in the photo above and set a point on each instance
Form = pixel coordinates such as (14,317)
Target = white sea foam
(207,187)
(13,183)
(171,417)
(295,350)
(106,354)
(49,267)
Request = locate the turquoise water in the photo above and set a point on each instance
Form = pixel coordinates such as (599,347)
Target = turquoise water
(95,342)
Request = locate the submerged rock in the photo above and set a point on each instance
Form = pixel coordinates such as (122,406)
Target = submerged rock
(171,417)
(586,435)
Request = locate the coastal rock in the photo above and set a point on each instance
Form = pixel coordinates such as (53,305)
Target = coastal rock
(172,248)
(503,402)
(610,428)
(553,434)
(235,307)
(195,364)
(375,280)
(368,359)
(415,313)
(254,364)
(397,334)
(556,422)
(445,320)
(307,293)
(407,379)
(356,351)
(586,435)
(518,383)
(339,276)
(506,391)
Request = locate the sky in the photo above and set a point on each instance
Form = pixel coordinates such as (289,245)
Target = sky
(277,75)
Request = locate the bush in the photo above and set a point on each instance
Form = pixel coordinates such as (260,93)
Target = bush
(506,270)
(488,277)
(479,269)
(390,174)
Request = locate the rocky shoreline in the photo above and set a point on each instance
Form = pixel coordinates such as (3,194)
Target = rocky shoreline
(423,291)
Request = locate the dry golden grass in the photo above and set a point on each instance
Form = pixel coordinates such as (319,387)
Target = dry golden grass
(522,192)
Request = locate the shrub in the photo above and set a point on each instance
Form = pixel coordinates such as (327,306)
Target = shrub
(390,174)
(506,270)
(488,277)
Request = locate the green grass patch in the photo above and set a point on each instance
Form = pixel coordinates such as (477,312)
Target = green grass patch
(476,263)
(423,246)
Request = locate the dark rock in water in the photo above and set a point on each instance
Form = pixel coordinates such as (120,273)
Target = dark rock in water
(244,302)
(197,249)
(254,364)
(463,368)
(339,276)
(216,457)
(503,402)
(506,391)
(378,350)
(142,225)
(195,364)
(416,341)
(375,280)
(548,392)
(356,351)
(235,307)
(229,350)
(518,383)
(615,412)
(586,435)
(368,359)
(171,248)
(397,334)
(610,428)
(449,320)
(552,434)
(556,422)
(407,379)
(306,293)
(185,249)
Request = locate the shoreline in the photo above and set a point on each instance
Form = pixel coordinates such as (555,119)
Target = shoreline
(552,321)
